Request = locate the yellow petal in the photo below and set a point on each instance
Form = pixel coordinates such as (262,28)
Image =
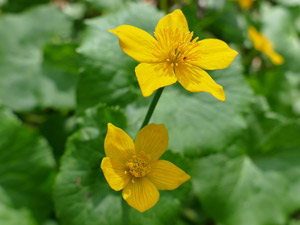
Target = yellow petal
(141,195)
(174,20)
(260,42)
(276,58)
(194,79)
(153,139)
(114,173)
(152,76)
(257,39)
(263,44)
(166,176)
(136,43)
(245,4)
(211,54)
(117,144)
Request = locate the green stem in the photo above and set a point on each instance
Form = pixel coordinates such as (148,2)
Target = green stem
(152,106)
(163,5)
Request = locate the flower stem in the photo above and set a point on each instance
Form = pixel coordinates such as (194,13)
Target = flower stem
(152,106)
(163,5)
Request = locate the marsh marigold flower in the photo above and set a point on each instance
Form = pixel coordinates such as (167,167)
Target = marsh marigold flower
(261,43)
(174,56)
(135,168)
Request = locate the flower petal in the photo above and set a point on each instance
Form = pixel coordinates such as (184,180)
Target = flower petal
(166,176)
(114,172)
(259,41)
(174,20)
(141,195)
(153,139)
(211,54)
(194,79)
(152,76)
(246,4)
(136,43)
(117,144)
(275,58)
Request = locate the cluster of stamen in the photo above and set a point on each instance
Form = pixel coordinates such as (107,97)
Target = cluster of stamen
(175,46)
(138,165)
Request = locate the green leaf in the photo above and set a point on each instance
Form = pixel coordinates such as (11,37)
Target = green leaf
(26,166)
(13,216)
(29,79)
(197,122)
(109,74)
(259,188)
(60,71)
(236,191)
(81,192)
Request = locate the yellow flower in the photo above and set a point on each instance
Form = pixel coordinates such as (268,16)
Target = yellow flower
(135,168)
(173,56)
(261,43)
(246,4)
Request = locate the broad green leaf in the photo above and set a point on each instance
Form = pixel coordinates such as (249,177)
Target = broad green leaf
(261,187)
(197,122)
(60,70)
(30,78)
(12,216)
(26,166)
(109,74)
(82,195)
(236,191)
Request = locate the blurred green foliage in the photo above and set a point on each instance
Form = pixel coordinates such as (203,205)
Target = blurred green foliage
(63,77)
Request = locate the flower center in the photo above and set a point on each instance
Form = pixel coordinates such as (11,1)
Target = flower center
(138,165)
(175,45)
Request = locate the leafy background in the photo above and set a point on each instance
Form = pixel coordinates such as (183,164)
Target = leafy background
(63,77)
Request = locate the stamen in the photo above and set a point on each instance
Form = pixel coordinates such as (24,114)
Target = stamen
(138,165)
(175,45)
